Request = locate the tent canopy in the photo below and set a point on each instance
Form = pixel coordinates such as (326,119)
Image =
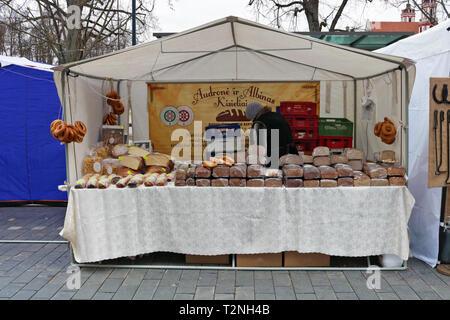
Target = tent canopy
(234,49)
(32,162)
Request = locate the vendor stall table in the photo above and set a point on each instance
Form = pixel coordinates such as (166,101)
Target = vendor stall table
(352,222)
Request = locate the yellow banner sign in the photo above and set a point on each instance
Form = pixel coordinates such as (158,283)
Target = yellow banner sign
(175,106)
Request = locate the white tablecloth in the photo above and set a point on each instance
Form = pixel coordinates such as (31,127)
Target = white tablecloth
(112,223)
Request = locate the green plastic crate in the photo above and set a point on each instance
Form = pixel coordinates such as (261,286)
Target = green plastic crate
(335,127)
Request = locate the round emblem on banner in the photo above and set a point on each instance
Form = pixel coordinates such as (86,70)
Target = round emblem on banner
(186,116)
(169,116)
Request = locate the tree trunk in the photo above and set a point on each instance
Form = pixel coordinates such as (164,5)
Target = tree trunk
(312,14)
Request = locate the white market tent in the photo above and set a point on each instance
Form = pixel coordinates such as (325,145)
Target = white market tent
(237,50)
(431,52)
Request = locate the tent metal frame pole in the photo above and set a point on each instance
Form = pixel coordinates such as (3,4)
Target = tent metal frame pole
(34,242)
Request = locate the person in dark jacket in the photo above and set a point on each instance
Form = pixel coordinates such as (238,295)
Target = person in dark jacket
(265,118)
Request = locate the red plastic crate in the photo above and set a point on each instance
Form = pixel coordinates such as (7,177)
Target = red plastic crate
(298,108)
(306,145)
(336,142)
(302,122)
(305,133)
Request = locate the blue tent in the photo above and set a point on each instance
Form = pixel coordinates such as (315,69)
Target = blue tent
(32,162)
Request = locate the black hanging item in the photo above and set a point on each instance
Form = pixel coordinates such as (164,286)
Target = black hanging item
(444,95)
(448,147)
(435,126)
(441,120)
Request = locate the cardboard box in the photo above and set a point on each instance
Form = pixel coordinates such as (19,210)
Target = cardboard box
(199,259)
(296,259)
(259,260)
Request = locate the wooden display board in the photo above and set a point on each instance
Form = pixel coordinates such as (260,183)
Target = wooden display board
(437,148)
(175,106)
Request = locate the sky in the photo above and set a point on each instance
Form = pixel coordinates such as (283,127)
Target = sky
(187,14)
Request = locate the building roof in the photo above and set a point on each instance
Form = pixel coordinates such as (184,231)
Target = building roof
(393,26)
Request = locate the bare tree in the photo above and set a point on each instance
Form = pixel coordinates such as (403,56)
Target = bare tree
(282,10)
(45,24)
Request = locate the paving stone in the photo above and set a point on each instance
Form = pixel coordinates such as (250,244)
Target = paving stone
(226,275)
(302,285)
(223,296)
(245,278)
(190,274)
(154,274)
(171,277)
(324,293)
(365,293)
(346,296)
(111,285)
(63,295)
(393,278)
(146,290)
(284,293)
(87,291)
(183,296)
(125,292)
(442,290)
(264,286)
(245,293)
(186,286)
(100,275)
(103,296)
(318,278)
(207,280)
(164,293)
(204,293)
(47,291)
(134,277)
(225,286)
(4,281)
(306,296)
(37,283)
(428,295)
(263,275)
(404,292)
(119,273)
(23,295)
(281,279)
(10,290)
(387,296)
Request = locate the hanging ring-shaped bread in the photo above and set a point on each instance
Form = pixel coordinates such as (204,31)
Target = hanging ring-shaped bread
(60,129)
(377,129)
(388,129)
(81,127)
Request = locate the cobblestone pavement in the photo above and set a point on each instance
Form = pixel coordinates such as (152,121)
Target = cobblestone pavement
(38,271)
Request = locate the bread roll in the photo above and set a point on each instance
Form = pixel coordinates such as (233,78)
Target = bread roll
(311,183)
(202,172)
(322,161)
(203,182)
(307,159)
(294,183)
(255,183)
(255,171)
(379,182)
(220,182)
(292,171)
(345,182)
(238,171)
(326,183)
(237,182)
(291,159)
(397,181)
(321,152)
(273,173)
(180,183)
(273,182)
(375,171)
(190,182)
(338,158)
(310,172)
(360,179)
(327,172)
(395,171)
(344,170)
(357,165)
(221,171)
(354,154)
